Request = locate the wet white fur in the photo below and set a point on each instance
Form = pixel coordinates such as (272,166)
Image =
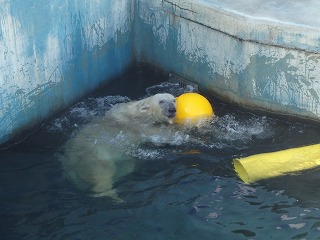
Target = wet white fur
(93,158)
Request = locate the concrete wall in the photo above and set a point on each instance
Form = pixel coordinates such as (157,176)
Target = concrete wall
(256,58)
(53,52)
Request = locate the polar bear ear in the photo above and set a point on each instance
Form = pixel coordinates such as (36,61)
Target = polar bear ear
(144,108)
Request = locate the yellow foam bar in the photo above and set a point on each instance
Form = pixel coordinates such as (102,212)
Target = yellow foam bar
(268,165)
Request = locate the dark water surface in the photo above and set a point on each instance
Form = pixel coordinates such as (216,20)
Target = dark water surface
(183,185)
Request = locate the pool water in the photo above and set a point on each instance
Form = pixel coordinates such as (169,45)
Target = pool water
(183,185)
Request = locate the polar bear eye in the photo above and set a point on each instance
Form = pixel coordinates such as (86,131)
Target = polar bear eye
(161,102)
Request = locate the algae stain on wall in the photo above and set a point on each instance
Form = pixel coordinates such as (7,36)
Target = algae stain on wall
(53,52)
(295,82)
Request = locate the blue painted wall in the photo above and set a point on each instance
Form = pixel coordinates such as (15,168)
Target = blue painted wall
(52,52)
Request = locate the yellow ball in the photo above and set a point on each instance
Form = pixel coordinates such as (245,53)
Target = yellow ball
(191,107)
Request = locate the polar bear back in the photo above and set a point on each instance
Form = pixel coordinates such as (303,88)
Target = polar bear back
(101,152)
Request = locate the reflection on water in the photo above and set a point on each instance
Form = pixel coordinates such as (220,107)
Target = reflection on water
(182,187)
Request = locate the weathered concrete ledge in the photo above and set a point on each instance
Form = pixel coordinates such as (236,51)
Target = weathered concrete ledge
(255,53)
(285,24)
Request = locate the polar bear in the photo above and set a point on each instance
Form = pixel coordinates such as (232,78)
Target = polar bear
(100,152)
(157,108)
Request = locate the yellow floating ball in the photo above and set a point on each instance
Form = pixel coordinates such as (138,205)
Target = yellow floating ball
(192,107)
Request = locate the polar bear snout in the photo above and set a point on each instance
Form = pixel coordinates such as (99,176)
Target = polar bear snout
(172,111)
(169,109)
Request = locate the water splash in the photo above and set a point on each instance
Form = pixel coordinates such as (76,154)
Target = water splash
(153,142)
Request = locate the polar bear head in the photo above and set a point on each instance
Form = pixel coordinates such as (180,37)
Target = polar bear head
(161,107)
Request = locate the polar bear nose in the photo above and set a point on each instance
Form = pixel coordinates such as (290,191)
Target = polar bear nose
(172,112)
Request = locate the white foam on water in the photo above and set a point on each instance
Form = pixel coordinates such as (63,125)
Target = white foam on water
(84,111)
(173,139)
(59,124)
(221,133)
(147,154)
(231,129)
